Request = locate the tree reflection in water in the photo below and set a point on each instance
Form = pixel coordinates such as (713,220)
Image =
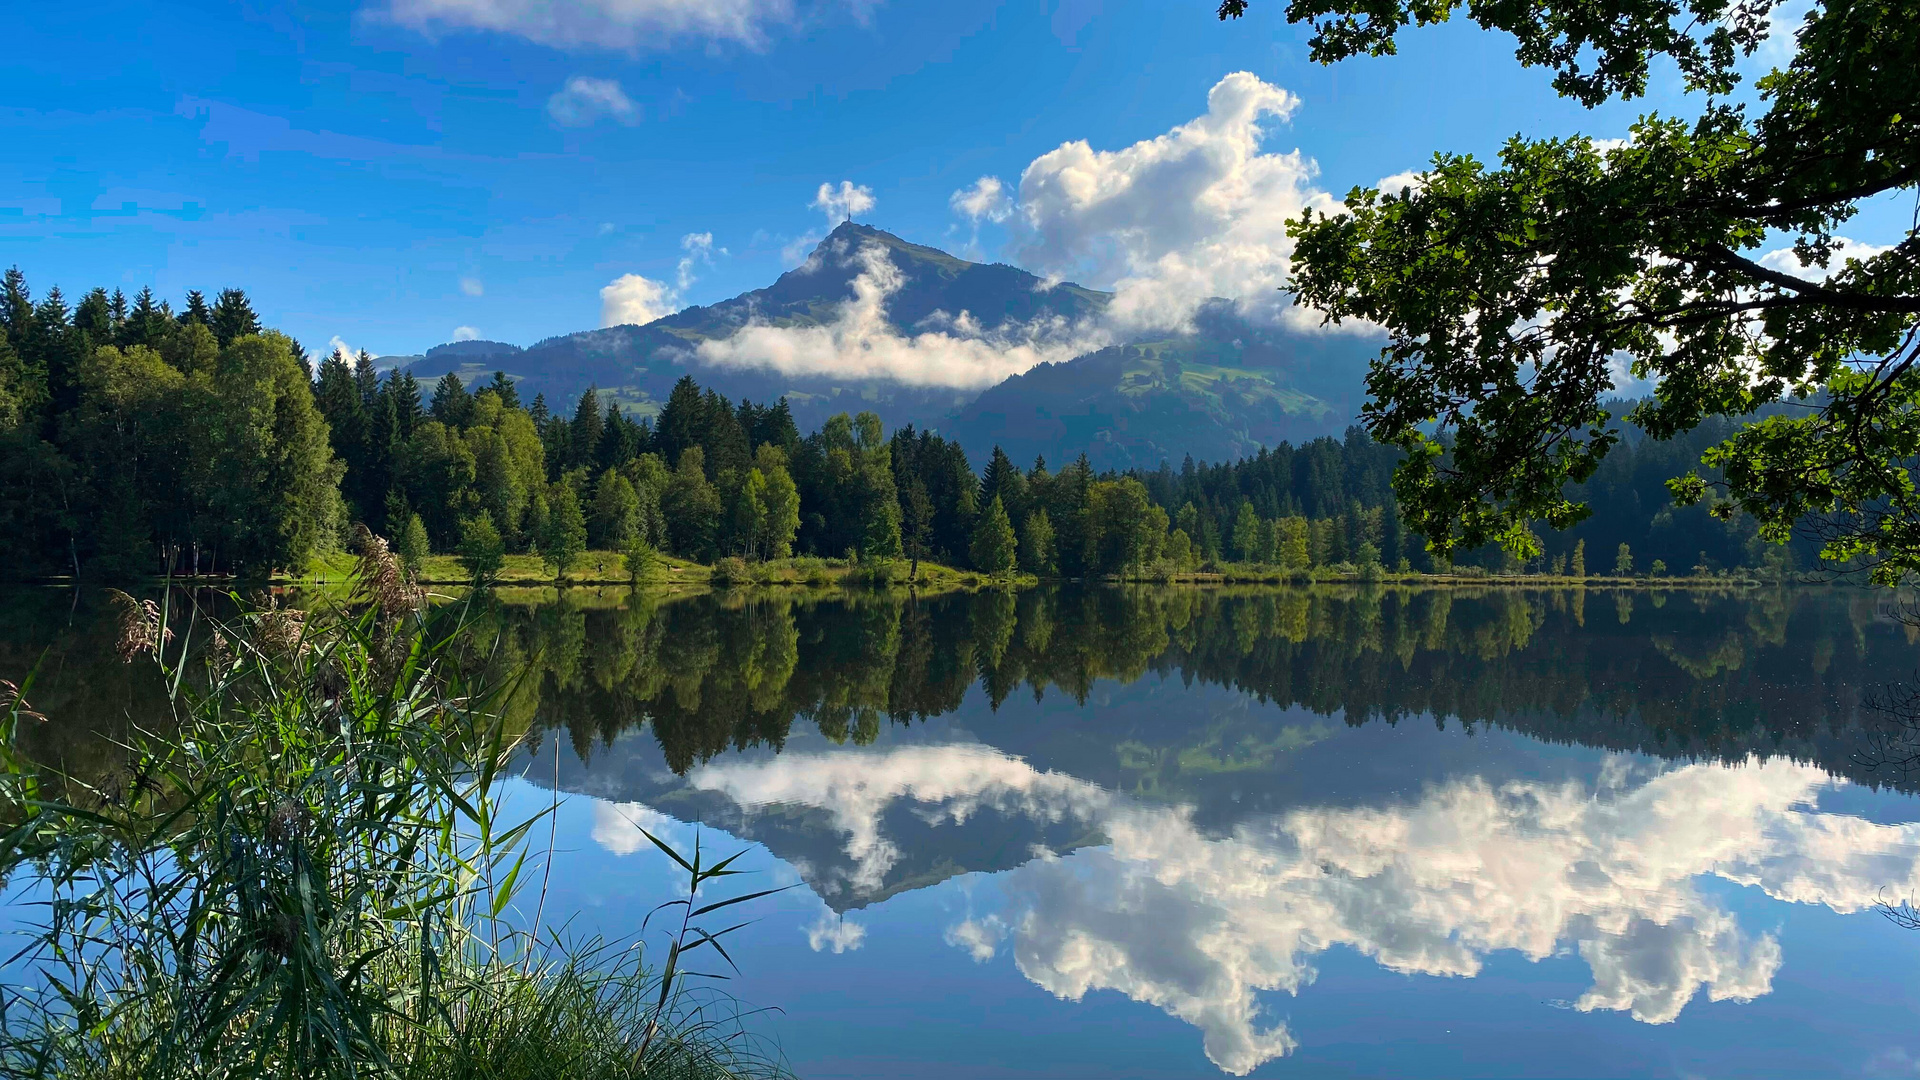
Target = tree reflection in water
(1176,848)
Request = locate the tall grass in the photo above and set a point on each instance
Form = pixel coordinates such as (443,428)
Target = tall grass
(311,874)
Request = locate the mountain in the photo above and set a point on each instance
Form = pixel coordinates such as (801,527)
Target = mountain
(1220,392)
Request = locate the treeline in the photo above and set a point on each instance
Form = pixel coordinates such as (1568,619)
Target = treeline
(136,439)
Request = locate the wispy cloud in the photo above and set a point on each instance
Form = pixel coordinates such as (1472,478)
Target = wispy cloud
(621,24)
(585,101)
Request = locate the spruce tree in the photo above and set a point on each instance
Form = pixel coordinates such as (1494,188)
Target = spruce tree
(196,310)
(452,405)
(584,438)
(503,388)
(232,317)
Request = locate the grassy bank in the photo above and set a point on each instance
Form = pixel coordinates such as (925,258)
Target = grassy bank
(311,873)
(598,568)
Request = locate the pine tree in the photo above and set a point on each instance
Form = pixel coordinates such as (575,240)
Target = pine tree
(232,317)
(452,405)
(681,421)
(407,410)
(366,379)
(503,388)
(584,438)
(1579,567)
(196,310)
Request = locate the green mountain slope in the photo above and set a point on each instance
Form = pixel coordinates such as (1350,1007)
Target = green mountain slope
(1220,392)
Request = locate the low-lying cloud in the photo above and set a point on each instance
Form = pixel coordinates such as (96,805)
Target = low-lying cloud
(862,343)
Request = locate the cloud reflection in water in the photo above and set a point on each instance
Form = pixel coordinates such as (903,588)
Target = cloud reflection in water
(1198,925)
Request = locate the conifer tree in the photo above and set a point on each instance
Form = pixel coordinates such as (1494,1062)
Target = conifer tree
(232,317)
(503,388)
(584,437)
(452,405)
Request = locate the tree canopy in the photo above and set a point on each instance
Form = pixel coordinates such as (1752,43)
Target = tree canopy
(1515,296)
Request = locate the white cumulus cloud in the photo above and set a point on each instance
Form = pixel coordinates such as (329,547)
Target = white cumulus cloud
(465,333)
(473,286)
(985,199)
(860,342)
(1401,183)
(1197,212)
(631,299)
(849,200)
(338,344)
(1787,261)
(586,101)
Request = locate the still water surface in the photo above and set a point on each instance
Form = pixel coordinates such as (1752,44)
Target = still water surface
(1326,833)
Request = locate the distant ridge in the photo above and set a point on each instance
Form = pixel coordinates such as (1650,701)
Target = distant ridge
(1220,392)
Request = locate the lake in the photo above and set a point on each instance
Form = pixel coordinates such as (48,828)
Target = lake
(1327,832)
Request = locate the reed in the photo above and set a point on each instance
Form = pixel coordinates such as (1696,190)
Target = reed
(307,870)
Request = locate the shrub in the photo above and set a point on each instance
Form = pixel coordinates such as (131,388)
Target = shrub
(482,552)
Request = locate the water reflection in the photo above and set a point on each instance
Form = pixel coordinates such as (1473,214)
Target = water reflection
(1197,924)
(1190,798)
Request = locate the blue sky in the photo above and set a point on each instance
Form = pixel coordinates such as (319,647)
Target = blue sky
(388,171)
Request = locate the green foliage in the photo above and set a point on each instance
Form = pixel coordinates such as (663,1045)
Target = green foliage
(1623,562)
(1036,543)
(993,540)
(616,512)
(482,551)
(1510,294)
(1578,567)
(565,536)
(412,545)
(641,560)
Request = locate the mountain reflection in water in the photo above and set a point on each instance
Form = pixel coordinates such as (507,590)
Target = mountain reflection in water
(1196,798)
(1193,857)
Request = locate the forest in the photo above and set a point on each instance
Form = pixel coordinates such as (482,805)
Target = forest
(138,440)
